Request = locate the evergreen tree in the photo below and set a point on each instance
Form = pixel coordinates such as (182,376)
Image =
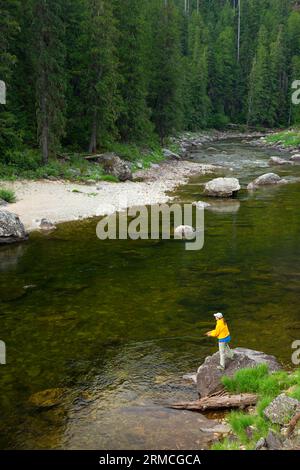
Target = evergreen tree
(134,120)
(166,83)
(260,84)
(100,71)
(197,103)
(48,52)
(9,136)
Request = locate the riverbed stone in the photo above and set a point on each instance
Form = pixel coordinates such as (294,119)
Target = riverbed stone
(281,409)
(222,187)
(295,157)
(11,228)
(267,179)
(48,398)
(209,376)
(279,161)
(47,225)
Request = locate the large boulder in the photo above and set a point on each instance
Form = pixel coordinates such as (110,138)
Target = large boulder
(113,165)
(11,228)
(282,409)
(295,158)
(222,187)
(267,179)
(209,376)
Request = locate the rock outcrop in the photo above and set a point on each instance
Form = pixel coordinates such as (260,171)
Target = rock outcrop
(113,165)
(209,377)
(222,187)
(11,228)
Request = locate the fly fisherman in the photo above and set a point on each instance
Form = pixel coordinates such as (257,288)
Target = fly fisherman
(222,333)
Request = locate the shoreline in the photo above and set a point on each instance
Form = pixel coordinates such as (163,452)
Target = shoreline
(63,201)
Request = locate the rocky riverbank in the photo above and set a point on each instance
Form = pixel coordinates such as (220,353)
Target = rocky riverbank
(62,201)
(256,383)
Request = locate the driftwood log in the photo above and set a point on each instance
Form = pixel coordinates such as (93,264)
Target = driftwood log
(218,402)
(292,425)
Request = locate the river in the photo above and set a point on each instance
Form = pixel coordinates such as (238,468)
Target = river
(115,324)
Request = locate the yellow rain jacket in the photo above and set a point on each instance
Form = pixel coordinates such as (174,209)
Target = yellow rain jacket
(221,331)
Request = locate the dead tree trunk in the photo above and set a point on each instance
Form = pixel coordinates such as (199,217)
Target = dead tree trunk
(93,141)
(218,402)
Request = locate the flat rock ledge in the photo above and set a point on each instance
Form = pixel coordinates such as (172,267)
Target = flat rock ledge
(209,376)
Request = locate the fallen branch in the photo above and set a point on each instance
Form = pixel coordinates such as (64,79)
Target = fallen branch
(218,402)
(293,423)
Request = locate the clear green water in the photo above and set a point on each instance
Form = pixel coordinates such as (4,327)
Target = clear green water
(116,324)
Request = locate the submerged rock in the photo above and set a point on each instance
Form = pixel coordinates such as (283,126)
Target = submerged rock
(48,398)
(169,154)
(11,228)
(229,206)
(222,187)
(267,179)
(281,409)
(209,377)
(279,161)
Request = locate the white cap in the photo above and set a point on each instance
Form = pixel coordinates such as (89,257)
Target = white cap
(218,316)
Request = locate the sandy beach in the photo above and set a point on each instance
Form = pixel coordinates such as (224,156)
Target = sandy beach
(62,201)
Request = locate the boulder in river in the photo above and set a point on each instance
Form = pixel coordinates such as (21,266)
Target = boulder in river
(279,161)
(295,157)
(209,376)
(11,228)
(267,179)
(282,409)
(113,165)
(184,232)
(222,187)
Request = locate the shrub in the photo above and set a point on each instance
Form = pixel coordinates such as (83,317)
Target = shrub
(7,195)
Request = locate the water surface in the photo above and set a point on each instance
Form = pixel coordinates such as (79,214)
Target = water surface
(114,325)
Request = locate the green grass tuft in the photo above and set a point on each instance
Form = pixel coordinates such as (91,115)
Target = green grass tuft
(289,138)
(7,195)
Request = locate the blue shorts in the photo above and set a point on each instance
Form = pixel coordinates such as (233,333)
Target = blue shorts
(225,340)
